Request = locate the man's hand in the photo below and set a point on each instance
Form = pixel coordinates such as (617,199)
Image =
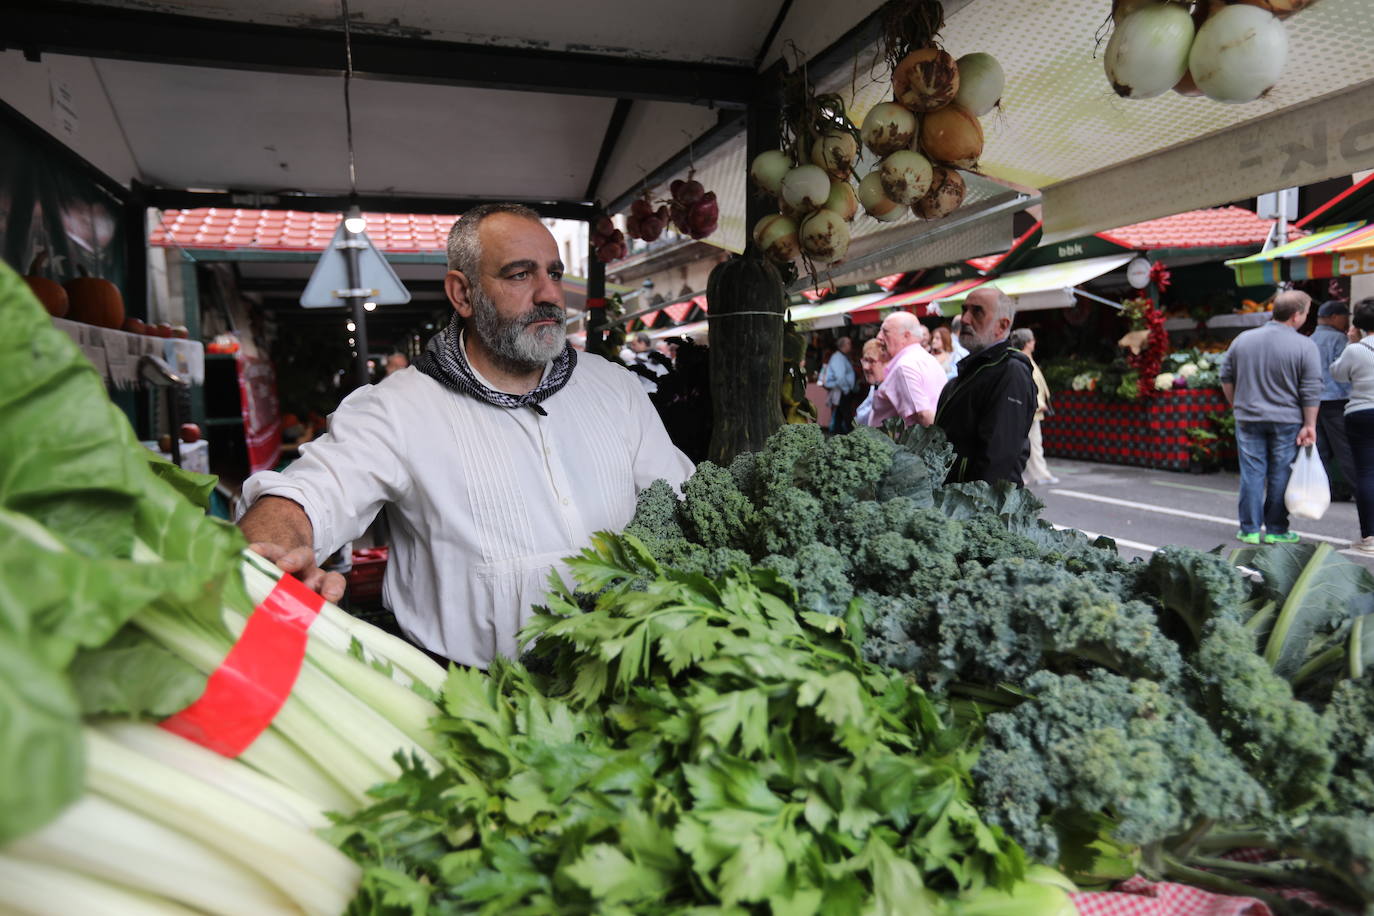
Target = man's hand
(1307,436)
(300,562)
(1352,334)
(279,530)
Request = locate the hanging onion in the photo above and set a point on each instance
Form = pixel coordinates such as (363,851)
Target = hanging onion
(1281,8)
(824,236)
(805,188)
(776,236)
(842,200)
(1148,52)
(926,79)
(887,128)
(1123,8)
(981,82)
(946,193)
(767,170)
(952,136)
(905,176)
(836,152)
(1239,54)
(876,203)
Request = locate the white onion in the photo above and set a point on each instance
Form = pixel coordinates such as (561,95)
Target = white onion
(824,236)
(981,82)
(887,128)
(836,152)
(905,176)
(1148,52)
(776,236)
(805,188)
(876,203)
(946,195)
(1239,54)
(842,200)
(767,170)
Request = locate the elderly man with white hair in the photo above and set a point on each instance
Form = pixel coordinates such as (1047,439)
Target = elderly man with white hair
(914,378)
(986,412)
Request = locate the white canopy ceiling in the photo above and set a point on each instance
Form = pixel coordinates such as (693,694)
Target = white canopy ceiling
(549,101)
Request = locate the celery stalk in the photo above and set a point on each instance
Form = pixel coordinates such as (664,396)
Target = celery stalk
(101,839)
(339,628)
(315,875)
(274,755)
(234,777)
(35,889)
(409,712)
(335,754)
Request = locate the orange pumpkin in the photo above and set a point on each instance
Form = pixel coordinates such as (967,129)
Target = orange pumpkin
(48,292)
(95,301)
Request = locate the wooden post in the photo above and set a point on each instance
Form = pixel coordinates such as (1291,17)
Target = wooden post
(747,302)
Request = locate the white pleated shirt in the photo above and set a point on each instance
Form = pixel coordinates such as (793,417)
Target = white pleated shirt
(484,501)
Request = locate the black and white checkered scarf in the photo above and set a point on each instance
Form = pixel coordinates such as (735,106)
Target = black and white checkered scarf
(445,362)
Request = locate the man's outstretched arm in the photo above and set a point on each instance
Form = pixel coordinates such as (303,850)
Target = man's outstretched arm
(278,529)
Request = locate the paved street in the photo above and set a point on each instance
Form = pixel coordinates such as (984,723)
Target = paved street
(1146,509)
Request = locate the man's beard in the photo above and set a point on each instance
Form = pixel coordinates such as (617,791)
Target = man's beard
(509,341)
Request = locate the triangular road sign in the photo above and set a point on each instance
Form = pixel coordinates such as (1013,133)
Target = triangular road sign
(330,277)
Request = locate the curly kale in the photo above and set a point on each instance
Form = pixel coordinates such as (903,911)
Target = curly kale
(714,512)
(1349,722)
(655,516)
(1195,586)
(1281,740)
(987,539)
(1019,616)
(845,469)
(919,467)
(775,465)
(899,548)
(787,521)
(888,622)
(819,573)
(1104,743)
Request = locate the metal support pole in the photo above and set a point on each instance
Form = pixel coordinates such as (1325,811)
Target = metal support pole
(596,292)
(355,304)
(761,134)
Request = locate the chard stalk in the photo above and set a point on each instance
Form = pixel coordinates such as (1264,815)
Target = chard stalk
(1251,871)
(1178,871)
(1317,663)
(313,874)
(33,889)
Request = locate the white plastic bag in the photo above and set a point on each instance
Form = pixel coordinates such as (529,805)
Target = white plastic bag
(1309,493)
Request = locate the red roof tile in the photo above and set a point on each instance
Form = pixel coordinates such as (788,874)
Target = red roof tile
(1222,227)
(290,230)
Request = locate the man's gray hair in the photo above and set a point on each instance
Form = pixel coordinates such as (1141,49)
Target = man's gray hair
(1006,306)
(1289,302)
(464,245)
(1020,337)
(643,338)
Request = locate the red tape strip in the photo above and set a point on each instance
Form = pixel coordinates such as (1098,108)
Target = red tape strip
(245,692)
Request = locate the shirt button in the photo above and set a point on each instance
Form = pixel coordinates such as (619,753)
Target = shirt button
(565,500)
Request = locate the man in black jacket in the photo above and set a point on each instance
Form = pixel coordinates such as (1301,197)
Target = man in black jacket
(986,411)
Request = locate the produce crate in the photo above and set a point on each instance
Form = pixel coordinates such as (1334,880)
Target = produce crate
(1150,433)
(365,578)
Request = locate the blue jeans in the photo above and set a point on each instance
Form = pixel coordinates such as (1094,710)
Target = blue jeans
(1266,451)
(1359,429)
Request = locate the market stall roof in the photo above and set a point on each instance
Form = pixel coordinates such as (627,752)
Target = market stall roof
(832,314)
(1336,251)
(1355,202)
(562,105)
(1217,227)
(920,301)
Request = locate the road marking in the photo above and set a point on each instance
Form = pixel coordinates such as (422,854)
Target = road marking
(1183,513)
(1189,486)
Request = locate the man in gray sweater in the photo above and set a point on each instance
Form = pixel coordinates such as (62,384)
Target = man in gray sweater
(1272,376)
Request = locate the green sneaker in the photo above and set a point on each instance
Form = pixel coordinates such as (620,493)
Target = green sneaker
(1248,537)
(1288,537)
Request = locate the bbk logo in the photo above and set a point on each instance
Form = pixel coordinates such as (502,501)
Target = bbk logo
(1357,141)
(951,272)
(1069,251)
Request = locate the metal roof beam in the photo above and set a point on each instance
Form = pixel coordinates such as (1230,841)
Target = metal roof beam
(38,26)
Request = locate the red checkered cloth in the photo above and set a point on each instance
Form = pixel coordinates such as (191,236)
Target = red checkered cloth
(1139,897)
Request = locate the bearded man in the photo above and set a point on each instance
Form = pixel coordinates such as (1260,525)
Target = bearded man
(497,454)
